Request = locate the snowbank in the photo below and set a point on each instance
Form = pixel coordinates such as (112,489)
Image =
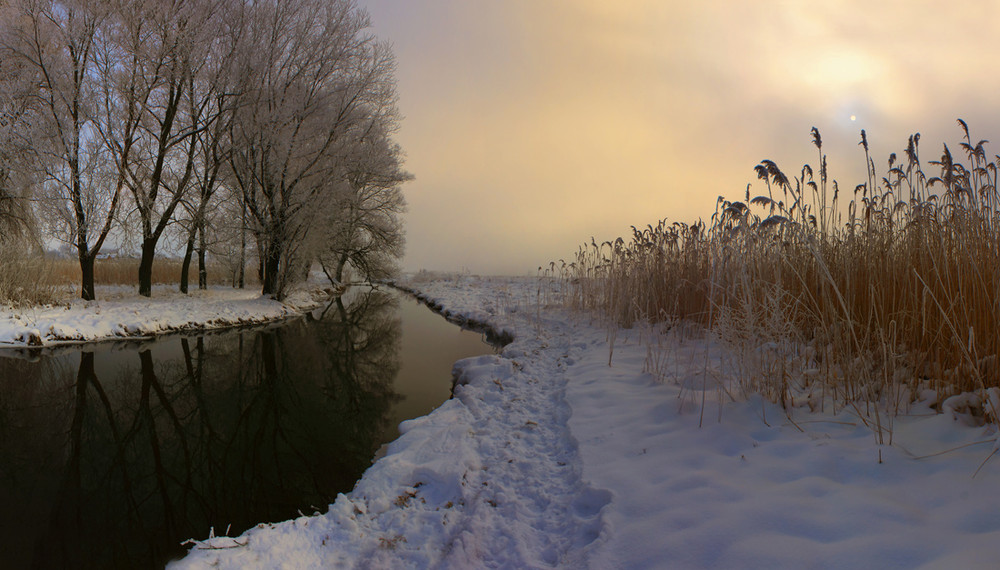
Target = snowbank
(549,457)
(119,312)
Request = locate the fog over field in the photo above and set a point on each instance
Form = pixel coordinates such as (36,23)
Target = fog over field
(531,126)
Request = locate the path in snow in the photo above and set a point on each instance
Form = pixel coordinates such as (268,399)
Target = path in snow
(490,479)
(532,508)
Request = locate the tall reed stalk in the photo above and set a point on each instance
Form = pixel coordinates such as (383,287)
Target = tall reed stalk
(895,292)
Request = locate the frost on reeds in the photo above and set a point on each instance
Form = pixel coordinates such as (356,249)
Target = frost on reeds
(880,300)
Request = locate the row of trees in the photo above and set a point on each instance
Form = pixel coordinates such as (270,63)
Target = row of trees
(212,119)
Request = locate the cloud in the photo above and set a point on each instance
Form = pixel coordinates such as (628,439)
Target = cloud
(533,125)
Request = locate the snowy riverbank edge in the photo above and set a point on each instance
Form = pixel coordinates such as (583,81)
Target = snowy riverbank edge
(549,457)
(466,318)
(121,314)
(492,476)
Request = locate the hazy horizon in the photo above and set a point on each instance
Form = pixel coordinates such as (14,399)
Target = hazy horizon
(531,126)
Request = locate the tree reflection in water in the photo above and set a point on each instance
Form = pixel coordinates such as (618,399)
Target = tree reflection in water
(111,459)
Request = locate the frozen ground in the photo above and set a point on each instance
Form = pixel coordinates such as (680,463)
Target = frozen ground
(121,312)
(549,457)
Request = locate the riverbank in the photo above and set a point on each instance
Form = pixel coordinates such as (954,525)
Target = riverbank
(548,456)
(119,312)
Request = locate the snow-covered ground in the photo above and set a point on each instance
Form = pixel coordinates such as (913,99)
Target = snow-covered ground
(121,312)
(549,457)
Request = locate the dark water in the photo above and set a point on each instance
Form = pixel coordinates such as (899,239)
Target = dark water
(110,456)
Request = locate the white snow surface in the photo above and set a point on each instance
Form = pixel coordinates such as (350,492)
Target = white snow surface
(549,457)
(120,312)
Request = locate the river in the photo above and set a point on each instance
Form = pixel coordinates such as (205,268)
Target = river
(112,454)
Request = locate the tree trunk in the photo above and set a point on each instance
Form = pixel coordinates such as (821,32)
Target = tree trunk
(87,282)
(340,268)
(186,266)
(241,278)
(202,269)
(271,269)
(260,259)
(146,268)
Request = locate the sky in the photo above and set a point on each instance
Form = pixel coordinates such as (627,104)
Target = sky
(533,125)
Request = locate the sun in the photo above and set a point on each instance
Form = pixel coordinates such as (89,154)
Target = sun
(853,118)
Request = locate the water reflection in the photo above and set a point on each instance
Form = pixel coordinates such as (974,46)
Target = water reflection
(108,458)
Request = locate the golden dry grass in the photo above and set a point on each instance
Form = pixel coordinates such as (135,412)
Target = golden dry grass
(124,271)
(31,279)
(25,280)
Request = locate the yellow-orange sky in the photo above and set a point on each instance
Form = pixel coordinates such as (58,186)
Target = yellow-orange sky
(532,125)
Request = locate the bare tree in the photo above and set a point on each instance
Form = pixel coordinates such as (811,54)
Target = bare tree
(18,107)
(312,76)
(291,103)
(364,229)
(225,225)
(211,123)
(198,217)
(57,42)
(23,279)
(168,48)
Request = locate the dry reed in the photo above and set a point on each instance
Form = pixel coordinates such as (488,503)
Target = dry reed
(25,279)
(880,299)
(125,271)
(63,272)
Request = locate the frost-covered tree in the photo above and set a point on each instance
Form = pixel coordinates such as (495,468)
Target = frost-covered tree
(142,109)
(57,44)
(229,235)
(313,77)
(20,242)
(364,229)
(125,85)
(202,205)
(171,52)
(17,115)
